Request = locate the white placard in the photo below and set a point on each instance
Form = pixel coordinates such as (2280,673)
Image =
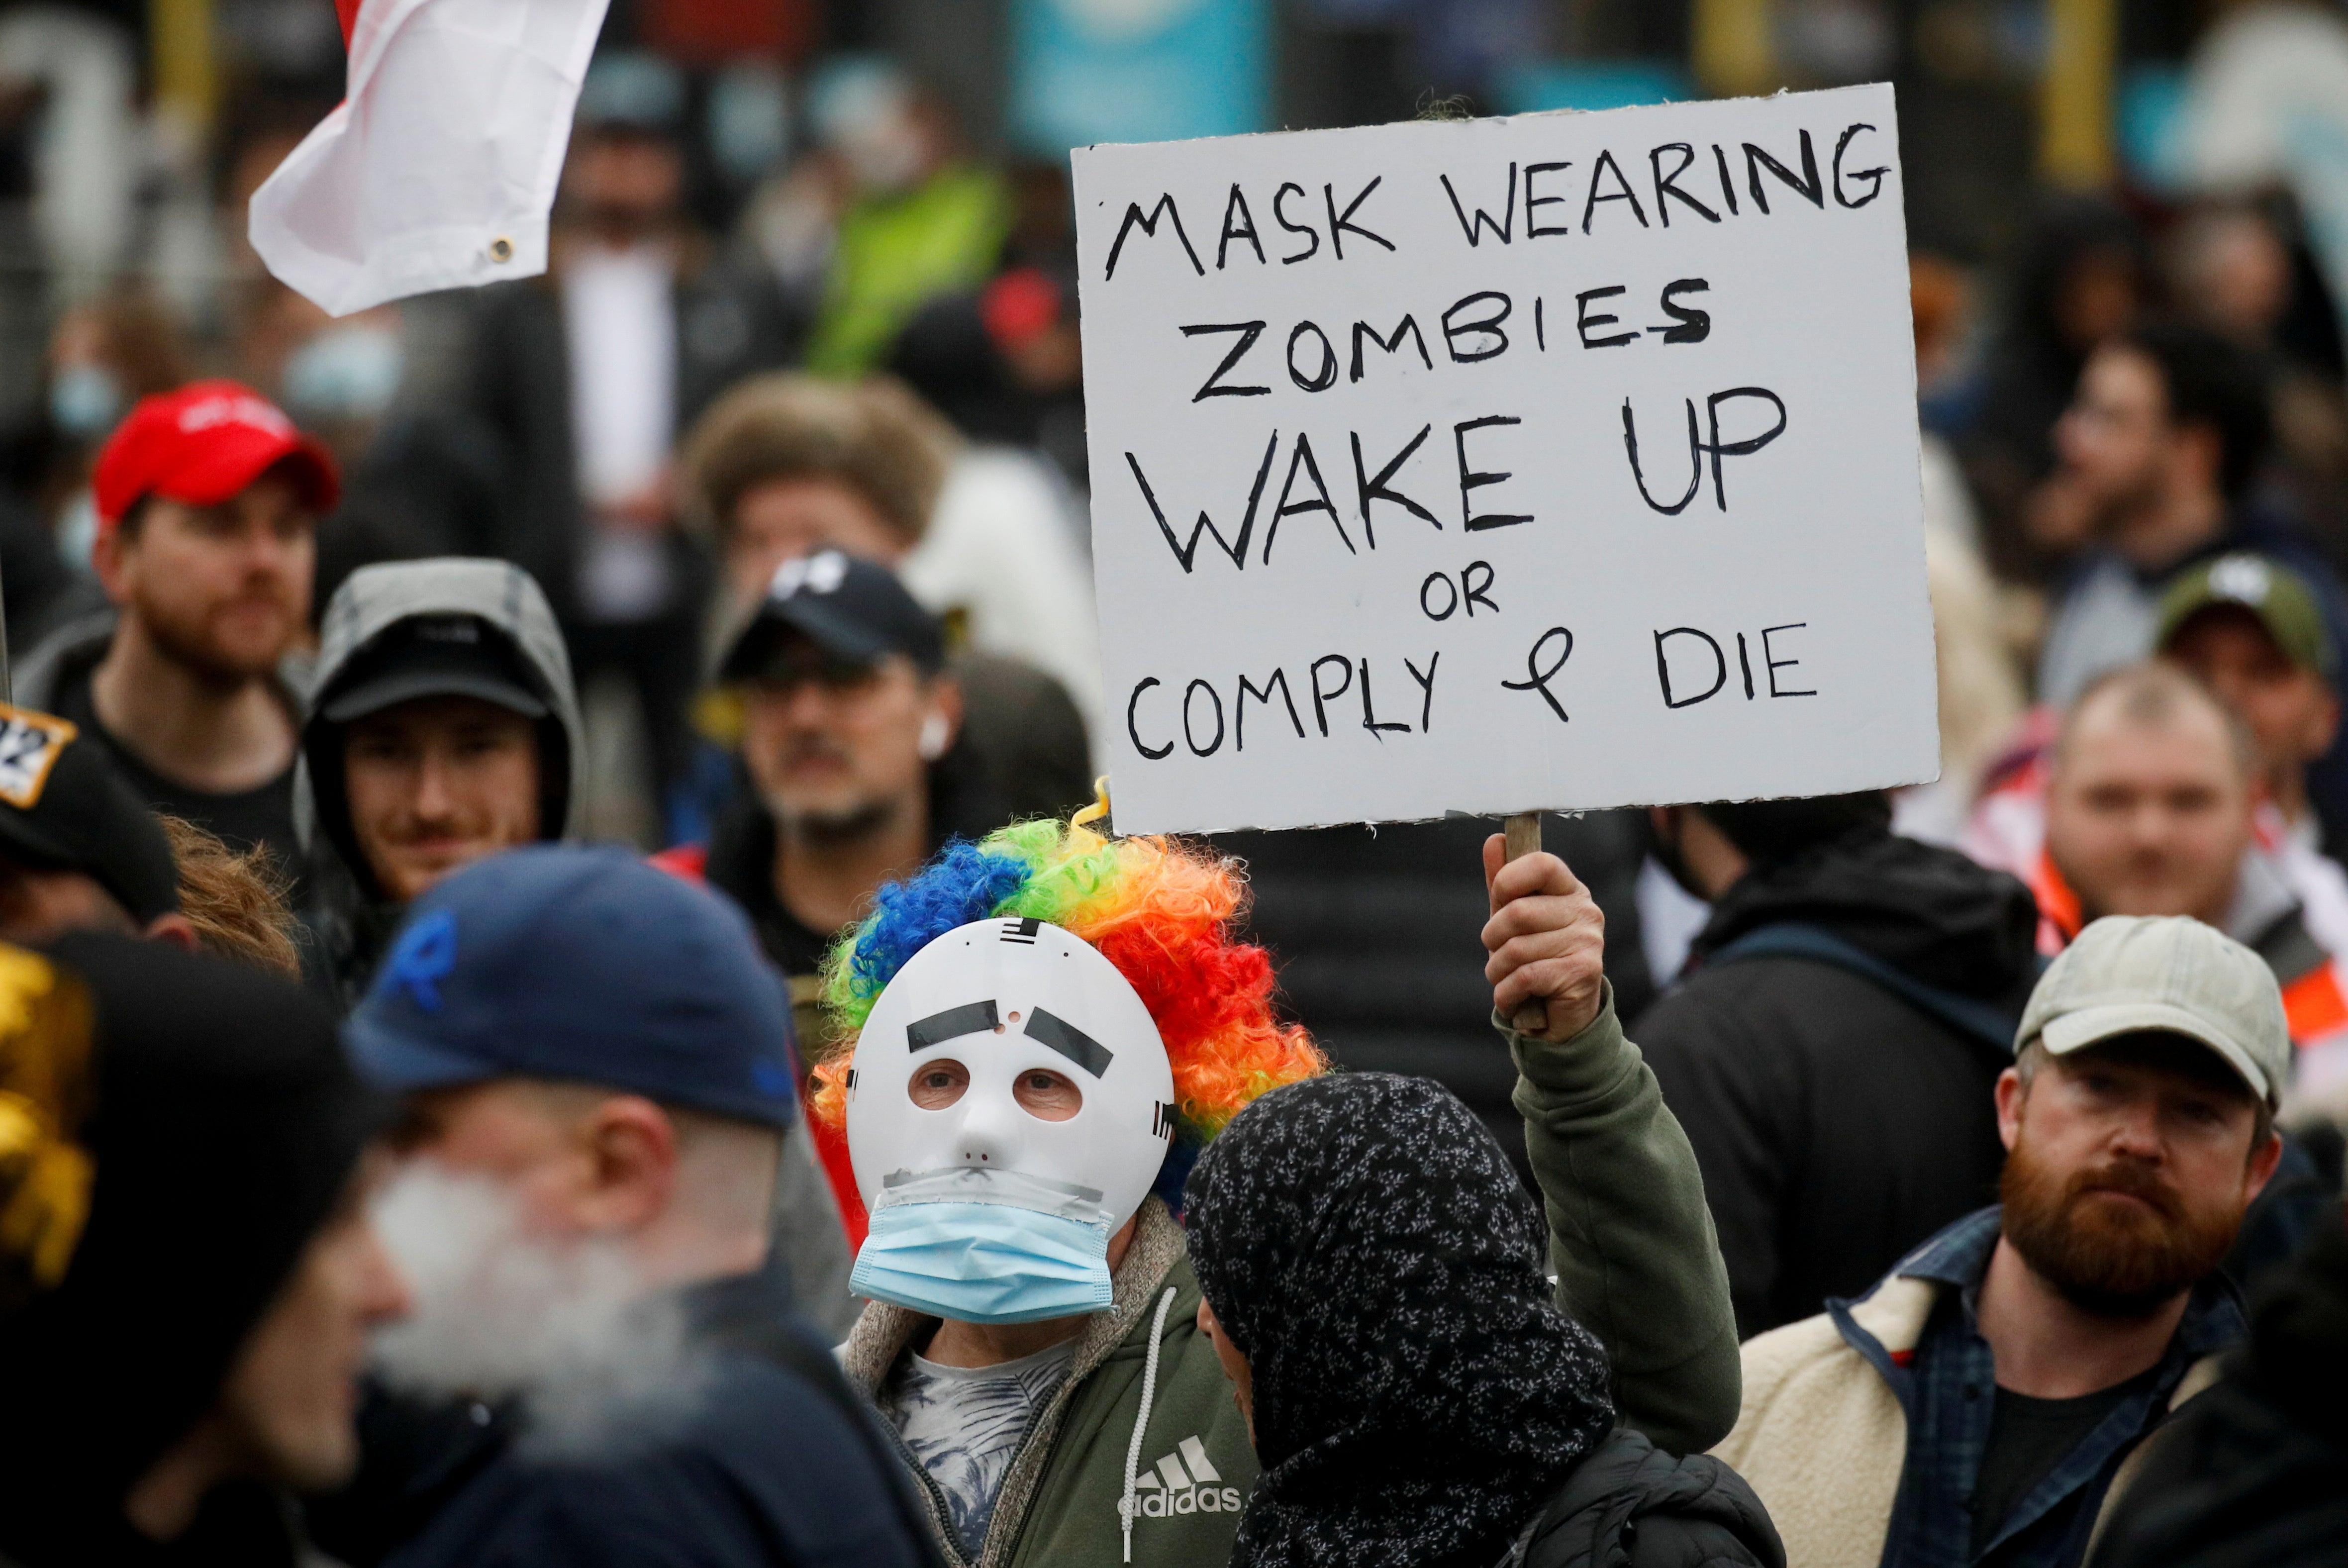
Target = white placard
(1369,538)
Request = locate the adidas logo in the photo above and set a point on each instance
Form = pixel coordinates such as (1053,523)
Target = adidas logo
(1184,1482)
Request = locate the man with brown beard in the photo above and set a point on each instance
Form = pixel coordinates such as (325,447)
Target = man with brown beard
(1983,1404)
(208,502)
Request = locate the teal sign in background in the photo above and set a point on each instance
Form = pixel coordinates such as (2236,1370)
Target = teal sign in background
(1084,71)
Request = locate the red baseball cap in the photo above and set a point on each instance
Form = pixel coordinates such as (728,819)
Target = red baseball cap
(202,444)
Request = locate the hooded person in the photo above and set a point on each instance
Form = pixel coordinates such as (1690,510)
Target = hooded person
(442,726)
(1343,1230)
(1830,1046)
(187,1277)
(1041,1031)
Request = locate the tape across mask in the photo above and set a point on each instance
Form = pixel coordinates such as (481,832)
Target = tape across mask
(982,1210)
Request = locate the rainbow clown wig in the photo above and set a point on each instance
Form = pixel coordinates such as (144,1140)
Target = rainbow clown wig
(1161,912)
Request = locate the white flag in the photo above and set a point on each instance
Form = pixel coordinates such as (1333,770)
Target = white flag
(438,170)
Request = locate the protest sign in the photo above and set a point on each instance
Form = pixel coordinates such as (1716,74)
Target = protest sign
(1554,461)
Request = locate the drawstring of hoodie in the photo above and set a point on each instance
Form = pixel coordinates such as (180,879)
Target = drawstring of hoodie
(1126,1505)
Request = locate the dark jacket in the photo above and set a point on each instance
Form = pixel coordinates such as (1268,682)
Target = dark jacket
(740,864)
(2255,1472)
(777,1465)
(55,677)
(729,324)
(1631,1505)
(1837,1123)
(1374,932)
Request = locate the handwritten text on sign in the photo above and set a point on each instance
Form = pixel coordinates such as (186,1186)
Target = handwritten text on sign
(1565,460)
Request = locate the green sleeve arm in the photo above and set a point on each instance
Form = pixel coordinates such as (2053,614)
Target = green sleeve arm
(1630,1236)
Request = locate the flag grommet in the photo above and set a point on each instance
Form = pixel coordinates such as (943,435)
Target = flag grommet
(502,249)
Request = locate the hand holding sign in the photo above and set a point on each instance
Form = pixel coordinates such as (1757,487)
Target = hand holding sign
(1547,939)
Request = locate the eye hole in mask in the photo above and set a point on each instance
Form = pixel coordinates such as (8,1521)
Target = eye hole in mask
(1040,1092)
(937,1085)
(1046,1095)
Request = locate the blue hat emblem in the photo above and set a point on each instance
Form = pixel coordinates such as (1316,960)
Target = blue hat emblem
(424,957)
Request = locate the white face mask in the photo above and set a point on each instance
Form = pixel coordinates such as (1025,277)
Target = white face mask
(1004,997)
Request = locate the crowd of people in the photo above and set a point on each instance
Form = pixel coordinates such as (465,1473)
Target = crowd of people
(566,994)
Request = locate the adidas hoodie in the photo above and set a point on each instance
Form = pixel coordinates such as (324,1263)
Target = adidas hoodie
(1147,1414)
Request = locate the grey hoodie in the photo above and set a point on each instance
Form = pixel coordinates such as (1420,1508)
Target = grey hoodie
(372,601)
(354,922)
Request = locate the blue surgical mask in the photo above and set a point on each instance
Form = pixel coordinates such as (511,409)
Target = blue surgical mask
(84,399)
(345,372)
(984,1262)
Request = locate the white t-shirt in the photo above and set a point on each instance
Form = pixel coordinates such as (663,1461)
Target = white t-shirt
(963,1423)
(619,320)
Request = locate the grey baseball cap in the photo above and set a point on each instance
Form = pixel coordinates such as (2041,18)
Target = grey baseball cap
(2129,973)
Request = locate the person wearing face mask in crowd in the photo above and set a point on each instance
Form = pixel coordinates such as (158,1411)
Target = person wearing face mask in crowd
(1045,1029)
(604,1366)
(105,354)
(188,1275)
(442,728)
(341,379)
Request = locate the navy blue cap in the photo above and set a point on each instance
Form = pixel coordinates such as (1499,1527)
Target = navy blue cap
(558,961)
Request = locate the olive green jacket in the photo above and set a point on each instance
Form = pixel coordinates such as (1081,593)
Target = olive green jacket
(1629,1237)
(1636,1261)
(1077,1463)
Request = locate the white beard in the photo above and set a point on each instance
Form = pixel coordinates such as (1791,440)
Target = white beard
(500,1313)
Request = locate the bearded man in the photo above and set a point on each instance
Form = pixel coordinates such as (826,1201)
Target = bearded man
(852,743)
(1986,1402)
(208,505)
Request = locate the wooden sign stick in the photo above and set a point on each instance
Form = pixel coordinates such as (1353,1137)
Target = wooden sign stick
(1523,831)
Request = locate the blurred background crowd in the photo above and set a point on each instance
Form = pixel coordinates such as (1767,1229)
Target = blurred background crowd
(832,238)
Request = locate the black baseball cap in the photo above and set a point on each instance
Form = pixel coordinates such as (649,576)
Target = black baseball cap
(851,608)
(64,807)
(435,656)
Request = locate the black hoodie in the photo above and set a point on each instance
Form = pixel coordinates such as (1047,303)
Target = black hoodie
(1838,1122)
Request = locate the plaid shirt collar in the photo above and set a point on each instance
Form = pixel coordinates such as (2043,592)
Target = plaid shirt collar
(1948,1386)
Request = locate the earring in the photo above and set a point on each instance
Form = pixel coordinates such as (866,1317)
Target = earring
(935,737)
